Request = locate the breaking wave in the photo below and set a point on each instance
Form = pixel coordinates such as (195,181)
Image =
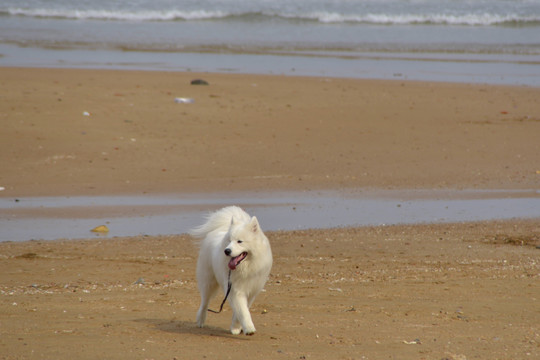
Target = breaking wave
(468,19)
(146,15)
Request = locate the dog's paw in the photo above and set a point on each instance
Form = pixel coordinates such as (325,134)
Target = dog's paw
(200,322)
(249,331)
(201,317)
(236,331)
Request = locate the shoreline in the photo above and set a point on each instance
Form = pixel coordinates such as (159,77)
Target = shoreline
(471,68)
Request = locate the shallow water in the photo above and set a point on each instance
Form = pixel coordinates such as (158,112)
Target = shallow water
(49,218)
(476,68)
(471,41)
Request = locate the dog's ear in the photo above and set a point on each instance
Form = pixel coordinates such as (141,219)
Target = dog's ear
(232,220)
(254,225)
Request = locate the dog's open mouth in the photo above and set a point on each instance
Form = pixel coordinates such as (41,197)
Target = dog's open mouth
(233,263)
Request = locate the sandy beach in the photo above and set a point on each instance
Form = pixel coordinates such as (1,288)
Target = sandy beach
(97,132)
(436,291)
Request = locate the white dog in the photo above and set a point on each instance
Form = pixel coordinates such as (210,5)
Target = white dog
(236,256)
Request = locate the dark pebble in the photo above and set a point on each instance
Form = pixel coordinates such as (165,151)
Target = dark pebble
(199,82)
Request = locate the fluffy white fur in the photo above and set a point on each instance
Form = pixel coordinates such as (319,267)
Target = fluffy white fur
(230,233)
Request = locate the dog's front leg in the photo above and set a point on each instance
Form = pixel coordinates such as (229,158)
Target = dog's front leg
(236,327)
(241,316)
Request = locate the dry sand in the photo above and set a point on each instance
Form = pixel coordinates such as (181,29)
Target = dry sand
(466,291)
(453,291)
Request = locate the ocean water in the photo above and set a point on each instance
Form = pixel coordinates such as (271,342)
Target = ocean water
(491,41)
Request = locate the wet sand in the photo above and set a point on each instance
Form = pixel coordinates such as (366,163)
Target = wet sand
(456,291)
(247,132)
(50,218)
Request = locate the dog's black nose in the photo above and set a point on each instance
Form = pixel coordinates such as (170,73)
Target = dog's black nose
(228,252)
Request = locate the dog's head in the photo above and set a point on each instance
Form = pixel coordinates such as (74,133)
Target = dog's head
(243,237)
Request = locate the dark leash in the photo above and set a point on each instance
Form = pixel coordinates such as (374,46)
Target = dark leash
(229,285)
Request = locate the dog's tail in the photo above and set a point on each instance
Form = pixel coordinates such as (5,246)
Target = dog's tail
(219,220)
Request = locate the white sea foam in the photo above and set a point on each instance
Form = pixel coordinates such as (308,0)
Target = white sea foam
(408,19)
(146,15)
(441,18)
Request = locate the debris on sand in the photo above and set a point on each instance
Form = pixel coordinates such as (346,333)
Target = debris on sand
(100,229)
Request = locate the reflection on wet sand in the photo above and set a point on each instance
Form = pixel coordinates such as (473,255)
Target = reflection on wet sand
(49,218)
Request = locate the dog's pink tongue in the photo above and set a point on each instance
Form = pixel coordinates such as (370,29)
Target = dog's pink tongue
(233,263)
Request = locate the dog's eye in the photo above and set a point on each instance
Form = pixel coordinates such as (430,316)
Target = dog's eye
(239,241)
